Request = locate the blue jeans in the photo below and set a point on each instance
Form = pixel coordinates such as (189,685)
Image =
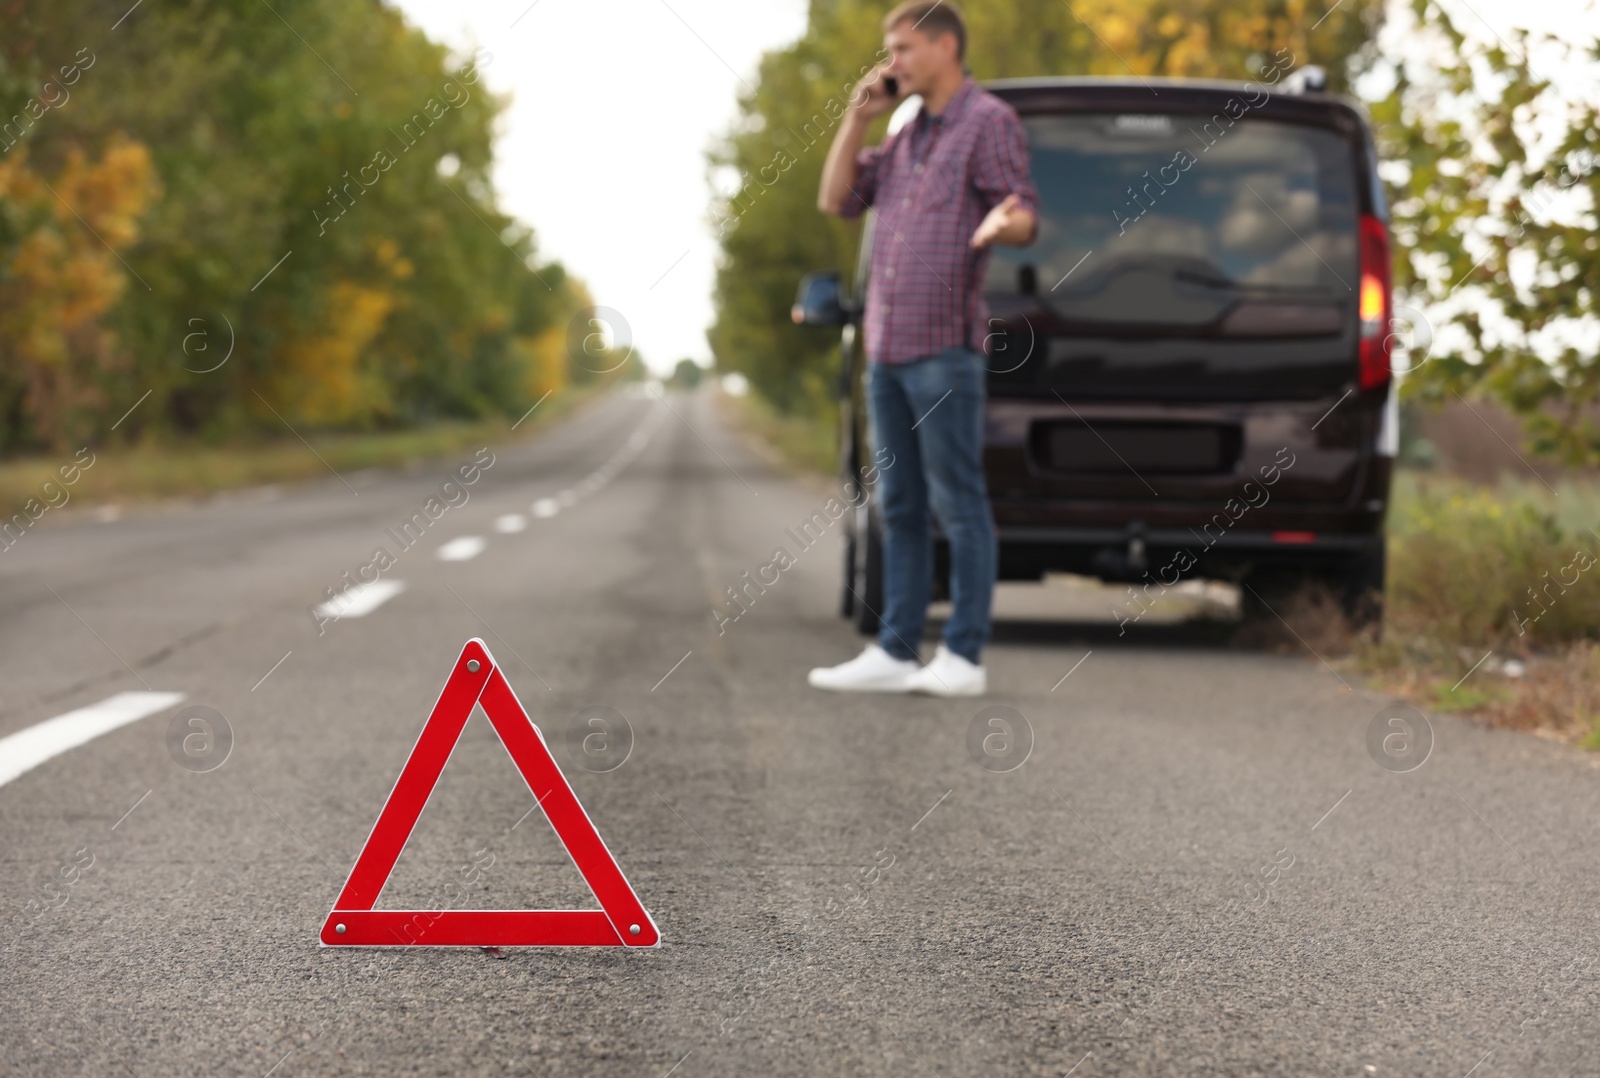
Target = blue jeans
(929,415)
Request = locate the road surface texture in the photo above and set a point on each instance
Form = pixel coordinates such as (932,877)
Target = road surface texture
(1167,857)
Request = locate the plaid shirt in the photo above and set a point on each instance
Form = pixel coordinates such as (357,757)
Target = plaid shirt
(931,183)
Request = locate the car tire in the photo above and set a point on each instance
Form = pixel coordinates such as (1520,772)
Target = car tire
(868,583)
(1360,588)
(1264,593)
(1357,586)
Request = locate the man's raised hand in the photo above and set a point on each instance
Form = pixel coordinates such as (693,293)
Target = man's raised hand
(1009,222)
(995,223)
(871,98)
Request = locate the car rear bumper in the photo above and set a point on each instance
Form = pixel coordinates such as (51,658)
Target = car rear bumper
(1172,554)
(1287,542)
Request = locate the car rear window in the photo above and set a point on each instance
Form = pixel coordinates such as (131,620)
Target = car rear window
(1175,218)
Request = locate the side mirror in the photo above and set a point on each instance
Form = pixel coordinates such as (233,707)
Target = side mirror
(820,302)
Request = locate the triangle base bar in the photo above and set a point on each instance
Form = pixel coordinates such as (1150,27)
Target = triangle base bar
(470,928)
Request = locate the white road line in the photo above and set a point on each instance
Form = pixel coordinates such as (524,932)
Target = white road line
(464,548)
(27,749)
(361,600)
(545,508)
(510,524)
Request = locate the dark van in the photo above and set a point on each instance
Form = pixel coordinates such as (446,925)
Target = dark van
(1189,370)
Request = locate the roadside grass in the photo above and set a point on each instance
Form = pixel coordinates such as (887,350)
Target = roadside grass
(1505,578)
(807,443)
(153,471)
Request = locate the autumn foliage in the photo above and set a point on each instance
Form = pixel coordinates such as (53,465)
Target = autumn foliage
(218,219)
(62,276)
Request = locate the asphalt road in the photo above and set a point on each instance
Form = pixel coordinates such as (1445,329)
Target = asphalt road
(1197,867)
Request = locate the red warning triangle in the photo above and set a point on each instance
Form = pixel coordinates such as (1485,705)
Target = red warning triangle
(621,920)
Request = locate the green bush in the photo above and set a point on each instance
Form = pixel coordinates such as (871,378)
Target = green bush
(1489,567)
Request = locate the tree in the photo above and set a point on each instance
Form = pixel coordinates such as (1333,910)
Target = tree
(686,375)
(236,196)
(59,239)
(1495,181)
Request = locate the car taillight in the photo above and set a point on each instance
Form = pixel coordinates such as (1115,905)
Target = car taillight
(1376,304)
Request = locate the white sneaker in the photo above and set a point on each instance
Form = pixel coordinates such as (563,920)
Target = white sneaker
(949,675)
(874,670)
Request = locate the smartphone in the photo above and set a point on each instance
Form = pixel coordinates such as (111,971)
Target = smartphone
(891,84)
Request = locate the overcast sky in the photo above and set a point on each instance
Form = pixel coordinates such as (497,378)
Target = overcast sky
(603,148)
(615,102)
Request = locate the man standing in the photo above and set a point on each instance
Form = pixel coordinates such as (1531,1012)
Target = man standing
(944,187)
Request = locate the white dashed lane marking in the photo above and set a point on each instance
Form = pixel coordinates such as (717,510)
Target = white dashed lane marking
(464,548)
(27,749)
(595,480)
(361,600)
